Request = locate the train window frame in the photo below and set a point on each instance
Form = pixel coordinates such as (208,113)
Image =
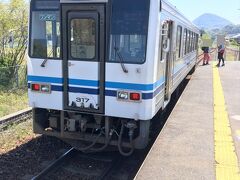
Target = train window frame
(189,42)
(194,40)
(190,47)
(33,8)
(185,41)
(179,42)
(108,51)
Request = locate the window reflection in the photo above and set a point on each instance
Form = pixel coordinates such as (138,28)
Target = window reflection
(45,34)
(129,26)
(83,38)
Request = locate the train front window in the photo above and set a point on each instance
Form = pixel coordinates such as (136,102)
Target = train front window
(129,27)
(83,38)
(44,29)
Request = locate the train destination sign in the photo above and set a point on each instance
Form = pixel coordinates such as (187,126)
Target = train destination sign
(47,17)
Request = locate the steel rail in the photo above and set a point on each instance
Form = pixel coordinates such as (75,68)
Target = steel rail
(55,164)
(15,117)
(115,163)
(66,157)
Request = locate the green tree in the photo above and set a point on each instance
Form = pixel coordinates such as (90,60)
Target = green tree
(13,37)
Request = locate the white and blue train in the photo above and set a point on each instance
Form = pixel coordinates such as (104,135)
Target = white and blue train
(100,70)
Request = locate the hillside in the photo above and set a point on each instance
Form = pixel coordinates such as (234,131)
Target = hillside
(211,21)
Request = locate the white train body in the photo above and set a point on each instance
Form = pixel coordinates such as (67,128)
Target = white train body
(99,57)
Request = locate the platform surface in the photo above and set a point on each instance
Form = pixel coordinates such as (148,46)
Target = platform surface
(187,147)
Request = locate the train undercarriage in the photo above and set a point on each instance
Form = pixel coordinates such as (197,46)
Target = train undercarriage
(92,133)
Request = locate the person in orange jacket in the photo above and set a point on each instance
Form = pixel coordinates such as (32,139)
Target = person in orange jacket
(206,57)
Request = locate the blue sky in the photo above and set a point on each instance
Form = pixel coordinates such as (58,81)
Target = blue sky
(228,9)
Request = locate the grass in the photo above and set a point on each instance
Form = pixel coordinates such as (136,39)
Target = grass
(13,101)
(16,135)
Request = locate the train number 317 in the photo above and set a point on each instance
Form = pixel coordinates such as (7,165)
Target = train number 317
(82,100)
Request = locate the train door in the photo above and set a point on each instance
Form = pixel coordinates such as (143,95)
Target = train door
(83,57)
(167,29)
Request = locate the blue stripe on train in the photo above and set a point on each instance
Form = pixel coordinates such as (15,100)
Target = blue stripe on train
(45,79)
(83,90)
(137,87)
(112,93)
(116,85)
(83,82)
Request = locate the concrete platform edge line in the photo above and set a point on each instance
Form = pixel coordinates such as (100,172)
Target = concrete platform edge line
(226,161)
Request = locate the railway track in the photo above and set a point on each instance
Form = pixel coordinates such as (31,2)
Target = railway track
(15,118)
(77,165)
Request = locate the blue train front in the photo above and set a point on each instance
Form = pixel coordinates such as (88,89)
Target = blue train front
(97,73)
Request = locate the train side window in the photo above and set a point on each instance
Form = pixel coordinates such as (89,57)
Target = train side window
(179,42)
(189,41)
(194,40)
(185,41)
(164,40)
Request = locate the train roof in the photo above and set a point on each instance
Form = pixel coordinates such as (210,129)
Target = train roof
(168,7)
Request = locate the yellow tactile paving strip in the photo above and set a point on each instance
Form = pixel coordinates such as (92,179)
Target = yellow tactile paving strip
(225,156)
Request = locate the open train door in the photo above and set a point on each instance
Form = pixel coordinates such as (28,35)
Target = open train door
(167,37)
(83,27)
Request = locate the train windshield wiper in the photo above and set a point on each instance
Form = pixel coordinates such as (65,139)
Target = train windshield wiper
(121,59)
(46,59)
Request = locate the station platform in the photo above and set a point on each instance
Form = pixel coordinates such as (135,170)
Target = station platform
(201,138)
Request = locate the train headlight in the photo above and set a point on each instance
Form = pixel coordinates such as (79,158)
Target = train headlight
(129,96)
(45,88)
(122,95)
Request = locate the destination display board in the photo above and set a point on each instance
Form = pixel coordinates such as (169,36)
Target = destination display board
(221,40)
(206,43)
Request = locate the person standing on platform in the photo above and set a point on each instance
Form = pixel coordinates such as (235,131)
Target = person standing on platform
(206,57)
(220,55)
